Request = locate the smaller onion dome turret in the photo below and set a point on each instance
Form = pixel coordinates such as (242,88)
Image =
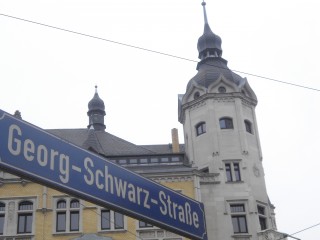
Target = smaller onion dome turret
(209,44)
(96,112)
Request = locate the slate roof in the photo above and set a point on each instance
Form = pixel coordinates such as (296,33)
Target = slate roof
(210,69)
(121,151)
(162,148)
(100,142)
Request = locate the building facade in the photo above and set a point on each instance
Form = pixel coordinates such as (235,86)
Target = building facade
(222,140)
(219,164)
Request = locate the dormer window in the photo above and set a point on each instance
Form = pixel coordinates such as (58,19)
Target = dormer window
(226,123)
(222,89)
(200,128)
(196,95)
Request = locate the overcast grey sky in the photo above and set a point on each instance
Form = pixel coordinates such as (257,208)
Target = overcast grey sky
(49,75)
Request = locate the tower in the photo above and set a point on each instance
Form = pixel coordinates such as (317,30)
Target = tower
(221,139)
(96,112)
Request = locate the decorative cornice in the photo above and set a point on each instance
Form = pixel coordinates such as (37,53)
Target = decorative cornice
(172,179)
(220,97)
(210,178)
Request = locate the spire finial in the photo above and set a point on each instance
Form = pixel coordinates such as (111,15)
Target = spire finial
(96,89)
(204,12)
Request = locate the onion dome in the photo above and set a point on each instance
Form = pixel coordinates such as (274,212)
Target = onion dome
(96,112)
(209,44)
(96,103)
(212,67)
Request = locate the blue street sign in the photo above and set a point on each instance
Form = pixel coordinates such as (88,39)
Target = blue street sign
(32,153)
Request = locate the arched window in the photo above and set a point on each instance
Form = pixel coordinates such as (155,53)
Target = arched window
(248,126)
(196,95)
(61,204)
(68,215)
(61,216)
(74,215)
(25,217)
(74,203)
(226,123)
(200,128)
(2,217)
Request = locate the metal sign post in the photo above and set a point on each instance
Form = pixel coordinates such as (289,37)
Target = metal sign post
(34,154)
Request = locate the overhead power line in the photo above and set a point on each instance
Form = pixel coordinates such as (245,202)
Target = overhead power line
(305,229)
(154,51)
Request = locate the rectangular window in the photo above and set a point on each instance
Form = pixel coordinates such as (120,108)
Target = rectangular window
(236,208)
(1,224)
(262,217)
(74,221)
(248,126)
(238,217)
(144,224)
(143,161)
(111,220)
(233,173)
(228,172)
(25,223)
(236,170)
(61,222)
(201,128)
(154,160)
(263,223)
(67,215)
(261,210)
(239,224)
(105,219)
(118,221)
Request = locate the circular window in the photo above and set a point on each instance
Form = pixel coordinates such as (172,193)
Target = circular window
(222,89)
(196,95)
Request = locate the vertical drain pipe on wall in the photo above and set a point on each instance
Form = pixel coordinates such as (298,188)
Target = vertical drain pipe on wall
(44,199)
(44,208)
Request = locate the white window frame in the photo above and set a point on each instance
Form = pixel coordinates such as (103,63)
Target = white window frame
(245,214)
(265,215)
(232,169)
(112,221)
(68,211)
(11,225)
(21,212)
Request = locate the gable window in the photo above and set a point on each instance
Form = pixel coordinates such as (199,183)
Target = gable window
(200,128)
(226,123)
(238,217)
(196,95)
(25,217)
(262,217)
(222,89)
(110,220)
(67,215)
(2,217)
(248,126)
(233,172)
